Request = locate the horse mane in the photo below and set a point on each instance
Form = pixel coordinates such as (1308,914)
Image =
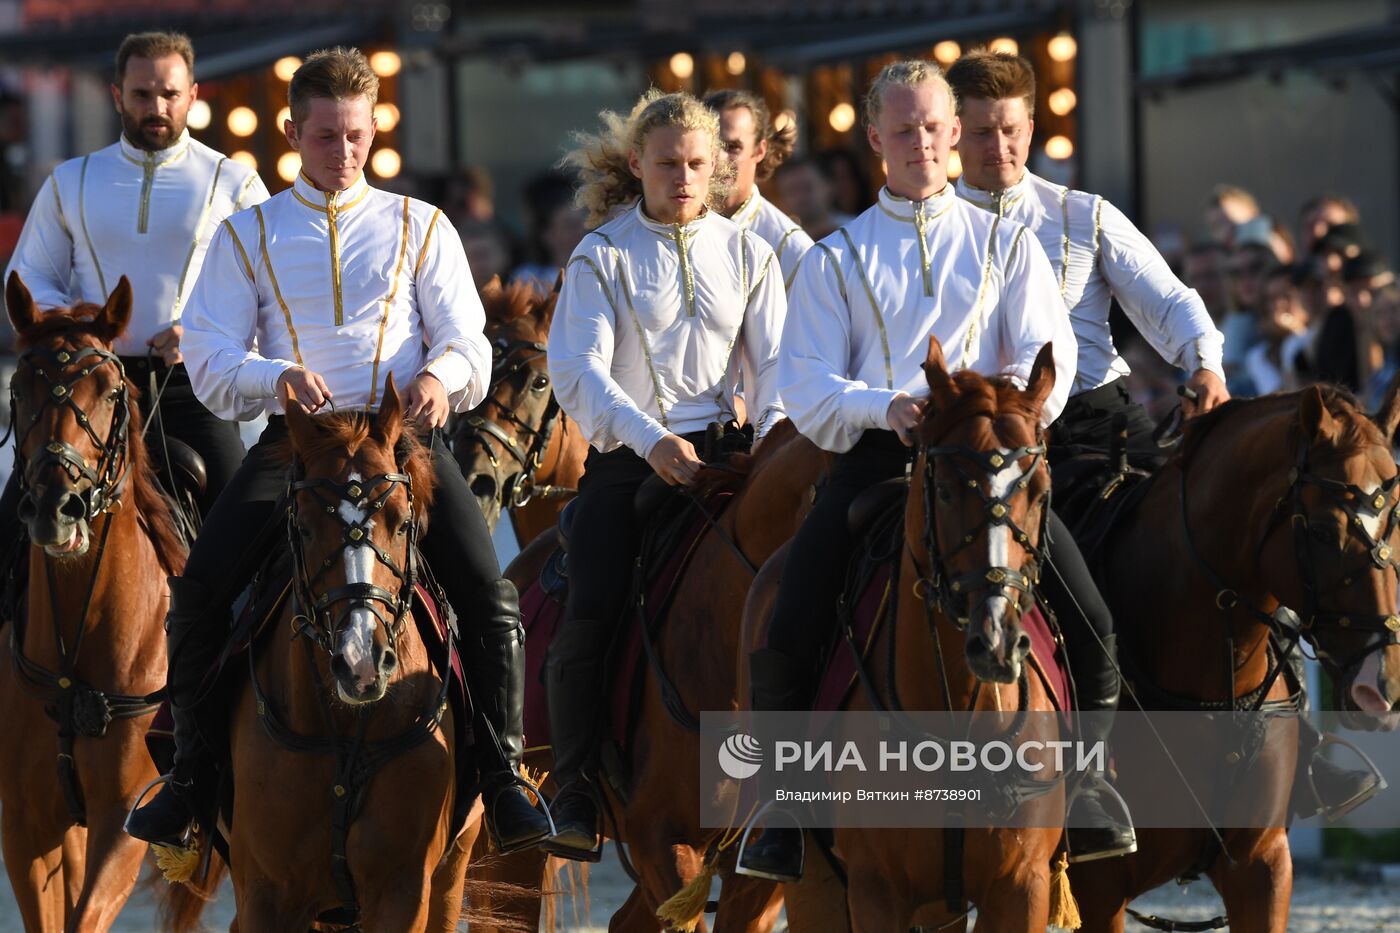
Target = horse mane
(506,303)
(81,315)
(344,433)
(711,480)
(994,397)
(152,505)
(1357,431)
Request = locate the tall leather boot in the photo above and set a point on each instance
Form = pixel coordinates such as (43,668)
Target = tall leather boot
(575,681)
(192,646)
(1095,830)
(1319,785)
(495,668)
(780,683)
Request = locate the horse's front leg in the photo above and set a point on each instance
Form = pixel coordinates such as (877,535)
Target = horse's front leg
(113,863)
(445,912)
(1257,887)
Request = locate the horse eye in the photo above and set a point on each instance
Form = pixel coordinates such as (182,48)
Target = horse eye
(303,531)
(942,491)
(540,382)
(404,526)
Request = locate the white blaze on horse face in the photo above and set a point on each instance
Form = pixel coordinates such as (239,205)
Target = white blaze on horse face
(357,637)
(999,552)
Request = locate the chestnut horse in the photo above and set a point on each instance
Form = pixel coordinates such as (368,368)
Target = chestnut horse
(982,452)
(344,770)
(519,452)
(1283,501)
(699,650)
(82,665)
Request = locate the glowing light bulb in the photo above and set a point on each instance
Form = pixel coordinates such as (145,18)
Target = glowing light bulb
(385,64)
(288,164)
(682,65)
(242,121)
(1062,48)
(947,52)
(842,117)
(385,163)
(201,115)
(284,68)
(1004,44)
(1059,147)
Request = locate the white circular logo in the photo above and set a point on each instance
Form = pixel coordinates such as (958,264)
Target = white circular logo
(740,756)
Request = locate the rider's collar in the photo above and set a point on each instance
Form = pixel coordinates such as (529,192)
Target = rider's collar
(316,199)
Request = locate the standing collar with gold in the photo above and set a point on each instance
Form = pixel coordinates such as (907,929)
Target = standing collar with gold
(902,208)
(995,201)
(325,201)
(748,211)
(673,231)
(157,157)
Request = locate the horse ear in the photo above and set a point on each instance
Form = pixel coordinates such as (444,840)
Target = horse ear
(300,425)
(1316,419)
(940,382)
(1388,418)
(116,314)
(1042,380)
(492,297)
(19,303)
(388,423)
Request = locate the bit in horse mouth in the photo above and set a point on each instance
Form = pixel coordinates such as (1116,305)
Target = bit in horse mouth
(76,546)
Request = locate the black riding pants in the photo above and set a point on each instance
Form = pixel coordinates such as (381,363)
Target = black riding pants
(456,544)
(1086,424)
(804,623)
(605,535)
(182,416)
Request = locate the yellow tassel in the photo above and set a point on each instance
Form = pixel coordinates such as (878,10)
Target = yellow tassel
(685,908)
(536,781)
(177,863)
(1064,909)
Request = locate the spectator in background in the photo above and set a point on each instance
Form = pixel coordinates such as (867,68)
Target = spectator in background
(486,251)
(1384,335)
(850,188)
(1271,365)
(1228,209)
(471,199)
(1203,268)
(1248,266)
(556,227)
(1363,276)
(1319,215)
(805,194)
(1335,353)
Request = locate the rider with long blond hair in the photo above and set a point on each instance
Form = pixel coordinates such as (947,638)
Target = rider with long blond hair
(665,306)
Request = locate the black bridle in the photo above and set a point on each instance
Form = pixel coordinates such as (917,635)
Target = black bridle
(510,357)
(954,593)
(1286,624)
(105,481)
(79,708)
(314,612)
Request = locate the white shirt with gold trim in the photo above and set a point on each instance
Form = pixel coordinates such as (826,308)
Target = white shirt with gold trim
(657,323)
(789,241)
(868,296)
(1098,255)
(124,211)
(352,284)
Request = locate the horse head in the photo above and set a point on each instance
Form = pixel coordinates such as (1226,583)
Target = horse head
(72,415)
(1342,505)
(502,442)
(985,490)
(360,490)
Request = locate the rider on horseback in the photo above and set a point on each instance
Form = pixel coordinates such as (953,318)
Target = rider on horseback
(320,292)
(93,223)
(755,148)
(864,303)
(1099,255)
(663,308)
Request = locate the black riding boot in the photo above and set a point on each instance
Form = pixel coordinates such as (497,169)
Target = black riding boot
(1319,785)
(574,686)
(780,683)
(495,668)
(1096,831)
(192,645)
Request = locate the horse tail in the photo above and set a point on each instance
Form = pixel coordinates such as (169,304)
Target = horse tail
(182,904)
(575,876)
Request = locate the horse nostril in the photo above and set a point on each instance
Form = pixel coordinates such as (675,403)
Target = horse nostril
(1023,645)
(976,646)
(389,662)
(339,667)
(72,507)
(28,508)
(483,486)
